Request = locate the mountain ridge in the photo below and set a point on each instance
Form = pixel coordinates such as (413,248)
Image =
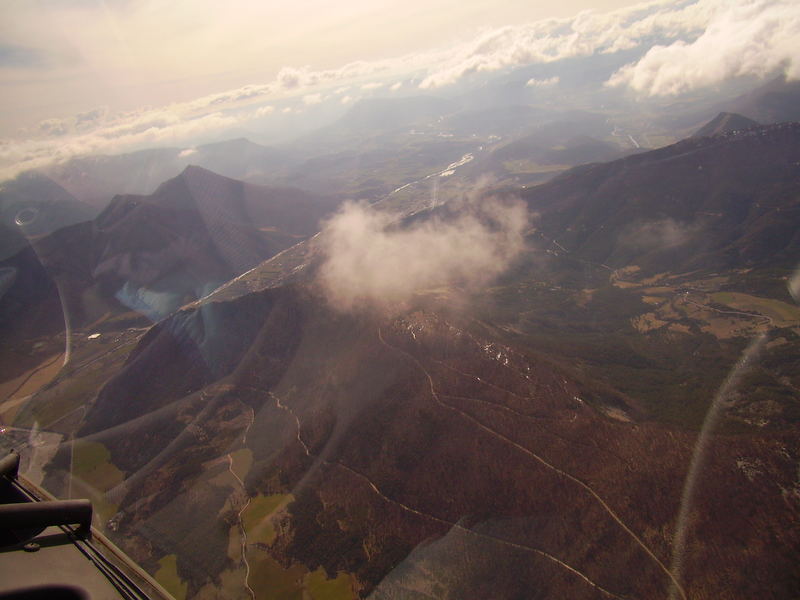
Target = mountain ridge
(527,439)
(725,122)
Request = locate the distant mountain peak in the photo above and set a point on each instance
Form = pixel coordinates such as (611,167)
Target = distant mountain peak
(195,174)
(725,122)
(196,170)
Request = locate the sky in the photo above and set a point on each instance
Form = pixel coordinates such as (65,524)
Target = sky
(59,58)
(93,76)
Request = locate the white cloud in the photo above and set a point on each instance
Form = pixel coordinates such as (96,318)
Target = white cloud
(549,82)
(91,118)
(720,39)
(370,262)
(752,38)
(161,127)
(244,94)
(374,85)
(556,39)
(54,127)
(311,99)
(263,111)
(83,121)
(292,78)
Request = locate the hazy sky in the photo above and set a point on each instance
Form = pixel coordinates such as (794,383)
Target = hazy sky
(93,76)
(58,58)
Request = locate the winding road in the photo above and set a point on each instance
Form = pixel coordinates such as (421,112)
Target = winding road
(543,462)
(244,508)
(453,524)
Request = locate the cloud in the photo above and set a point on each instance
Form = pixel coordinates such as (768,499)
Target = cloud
(374,85)
(290,78)
(549,82)
(658,235)
(293,78)
(83,121)
(263,111)
(587,33)
(54,127)
(92,116)
(717,40)
(244,94)
(127,132)
(370,262)
(752,38)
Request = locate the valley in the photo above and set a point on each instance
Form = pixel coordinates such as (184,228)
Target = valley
(594,396)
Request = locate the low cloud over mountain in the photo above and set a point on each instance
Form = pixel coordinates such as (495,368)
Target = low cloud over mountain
(370,261)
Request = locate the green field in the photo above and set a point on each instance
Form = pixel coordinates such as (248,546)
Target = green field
(319,587)
(256,517)
(781,313)
(167,576)
(93,474)
(242,461)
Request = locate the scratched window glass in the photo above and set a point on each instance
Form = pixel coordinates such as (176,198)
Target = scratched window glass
(409,300)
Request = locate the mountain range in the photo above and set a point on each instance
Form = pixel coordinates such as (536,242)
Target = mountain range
(96,179)
(529,439)
(149,255)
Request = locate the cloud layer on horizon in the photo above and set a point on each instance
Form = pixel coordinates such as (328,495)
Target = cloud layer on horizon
(698,43)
